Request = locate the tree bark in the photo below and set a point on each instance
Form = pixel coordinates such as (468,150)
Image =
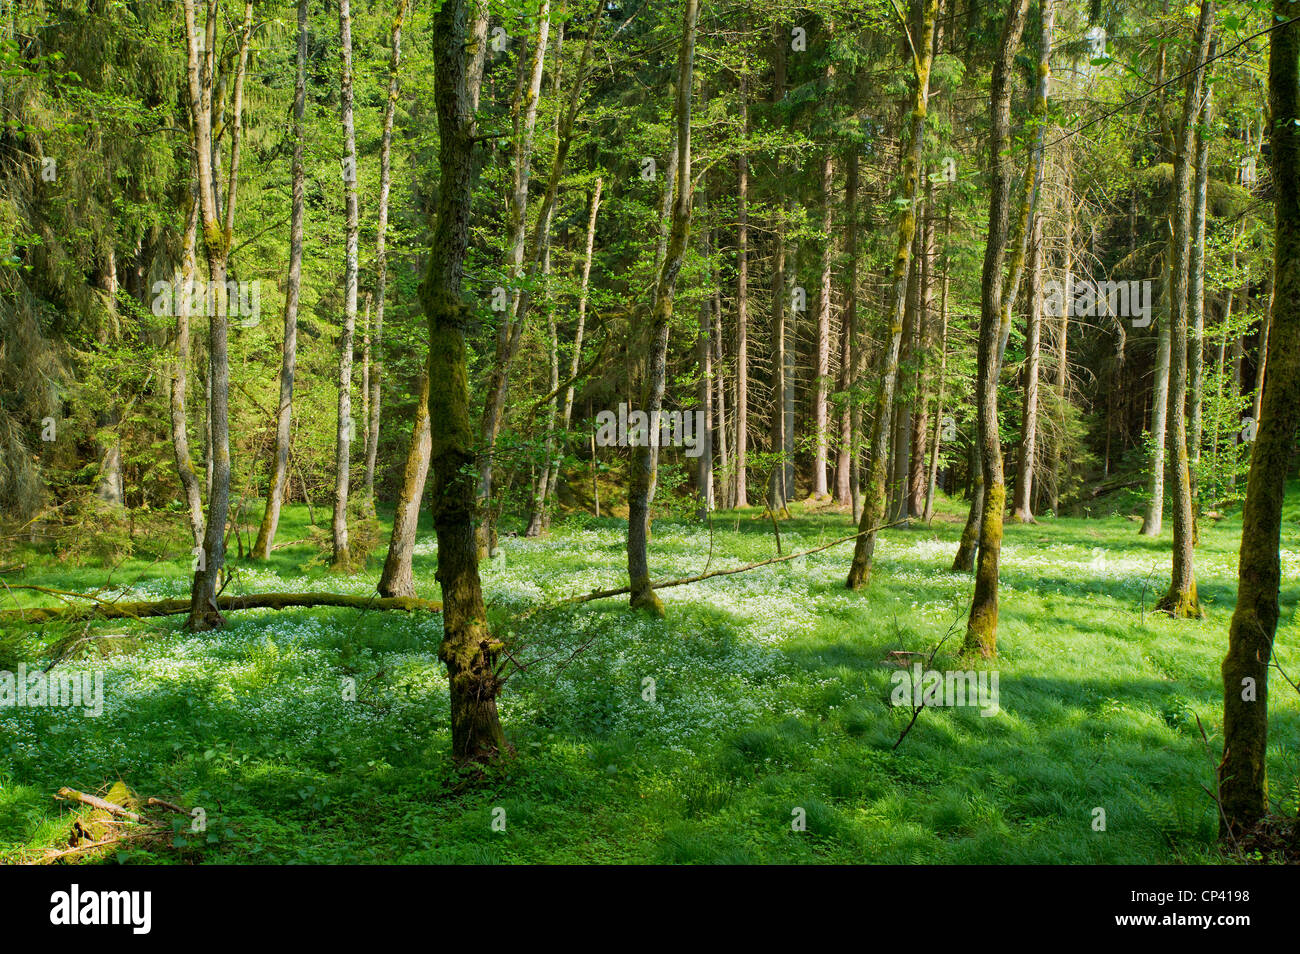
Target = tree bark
(397,578)
(289,349)
(742,304)
(821,420)
(205,614)
(180,371)
(342,559)
(511,326)
(875,498)
(981,627)
(1024,511)
(374,393)
(1181,599)
(1242,774)
(468,648)
(641,491)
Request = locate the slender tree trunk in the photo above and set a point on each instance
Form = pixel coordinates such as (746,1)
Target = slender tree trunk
(995,299)
(821,419)
(1153,521)
(1181,599)
(724,491)
(844,385)
(397,578)
(468,648)
(916,482)
(943,380)
(876,499)
(704,350)
(778,493)
(180,371)
(1196,300)
(510,330)
(742,305)
(1062,339)
(374,394)
(1262,364)
(204,613)
(1024,512)
(641,491)
(289,349)
(343,449)
(566,415)
(1242,774)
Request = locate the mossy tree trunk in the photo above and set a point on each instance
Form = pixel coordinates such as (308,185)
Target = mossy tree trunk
(981,627)
(1242,776)
(204,611)
(468,648)
(641,491)
(875,497)
(1181,600)
(342,559)
(289,348)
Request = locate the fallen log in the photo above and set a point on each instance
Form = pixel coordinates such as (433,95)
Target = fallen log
(94,801)
(682,581)
(98,608)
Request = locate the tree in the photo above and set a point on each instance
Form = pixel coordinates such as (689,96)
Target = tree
(342,460)
(468,648)
(373,397)
(876,500)
(1181,600)
(1242,774)
(217,234)
(289,350)
(981,627)
(644,458)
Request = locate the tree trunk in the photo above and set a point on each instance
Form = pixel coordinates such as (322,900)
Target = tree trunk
(374,399)
(397,578)
(742,304)
(511,326)
(1242,774)
(180,371)
(641,491)
(343,449)
(1152,522)
(995,300)
(704,350)
(848,334)
(1196,300)
(1181,599)
(468,648)
(920,415)
(1024,512)
(935,437)
(566,415)
(876,499)
(204,611)
(821,392)
(289,349)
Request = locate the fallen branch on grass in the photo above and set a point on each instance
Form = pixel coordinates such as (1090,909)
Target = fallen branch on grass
(94,801)
(665,584)
(103,609)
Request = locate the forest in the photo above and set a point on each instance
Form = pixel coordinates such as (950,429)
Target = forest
(622,432)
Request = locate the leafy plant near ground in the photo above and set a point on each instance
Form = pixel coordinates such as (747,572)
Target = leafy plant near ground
(770,693)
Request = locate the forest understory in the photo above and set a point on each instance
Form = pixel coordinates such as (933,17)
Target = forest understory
(771,694)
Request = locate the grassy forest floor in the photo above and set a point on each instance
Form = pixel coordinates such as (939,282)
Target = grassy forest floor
(771,693)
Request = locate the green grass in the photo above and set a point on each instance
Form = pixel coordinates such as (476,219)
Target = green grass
(770,702)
